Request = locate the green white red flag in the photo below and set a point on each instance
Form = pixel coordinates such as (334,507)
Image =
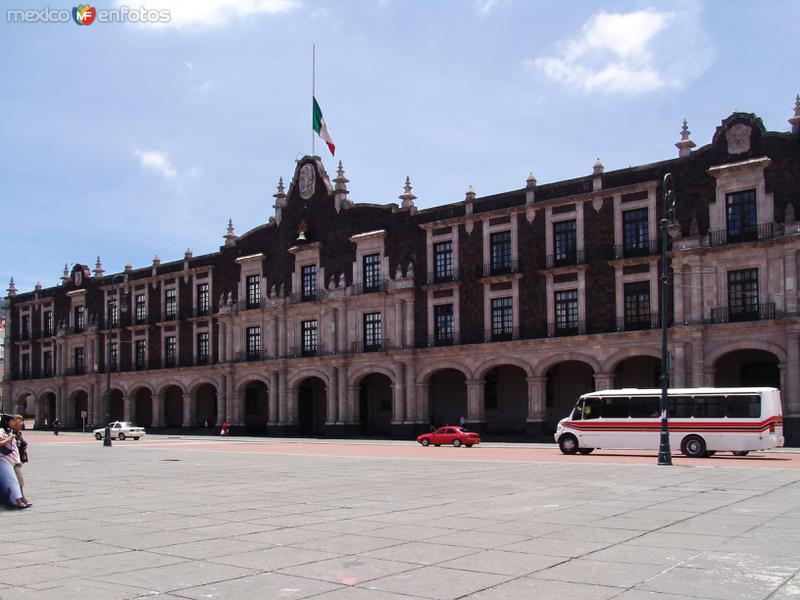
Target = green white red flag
(318,122)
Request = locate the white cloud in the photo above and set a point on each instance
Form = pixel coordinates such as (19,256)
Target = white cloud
(484,7)
(631,52)
(214,13)
(158,161)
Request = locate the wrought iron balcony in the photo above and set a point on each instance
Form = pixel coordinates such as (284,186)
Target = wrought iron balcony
(75,371)
(648,248)
(373,346)
(451,276)
(746,233)
(567,259)
(360,288)
(444,338)
(639,322)
(737,314)
(501,335)
(565,329)
(505,267)
(307,296)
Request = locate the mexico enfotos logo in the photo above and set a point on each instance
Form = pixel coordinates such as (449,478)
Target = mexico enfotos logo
(84,15)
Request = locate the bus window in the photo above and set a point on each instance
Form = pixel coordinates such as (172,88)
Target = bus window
(591,408)
(645,407)
(577,411)
(708,406)
(680,407)
(615,407)
(743,406)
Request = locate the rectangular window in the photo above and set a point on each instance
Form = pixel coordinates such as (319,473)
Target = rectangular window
(742,407)
(565,242)
(26,327)
(443,262)
(253,283)
(80,319)
(500,244)
(740,210)
(26,366)
(502,318)
(48,322)
(308,332)
(114,359)
(202,348)
(443,325)
(171,304)
(140,348)
(645,407)
(309,282)
(743,294)
(254,343)
(635,232)
(170,351)
(637,305)
(141,308)
(202,299)
(113,313)
(566,307)
(47,363)
(373,334)
(78,361)
(372,272)
(615,408)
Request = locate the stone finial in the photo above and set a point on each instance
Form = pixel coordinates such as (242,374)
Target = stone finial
(530,189)
(530,182)
(340,189)
(597,172)
(156,261)
(281,290)
(98,269)
(789,217)
(795,120)
(230,236)
(188,254)
(222,298)
(12,289)
(410,270)
(65,274)
(274,290)
(38,286)
(398,273)
(407,197)
(332,282)
(230,298)
(128,267)
(280,201)
(694,228)
(597,168)
(685,145)
(342,282)
(470,195)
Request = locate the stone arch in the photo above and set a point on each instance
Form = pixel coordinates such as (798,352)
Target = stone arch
(483,369)
(203,406)
(196,383)
(505,401)
(311,390)
(445,389)
(544,366)
(615,359)
(46,408)
(424,374)
(22,394)
(169,404)
(375,400)
(713,356)
(253,396)
(162,387)
(306,373)
(77,401)
(247,379)
(360,373)
(567,377)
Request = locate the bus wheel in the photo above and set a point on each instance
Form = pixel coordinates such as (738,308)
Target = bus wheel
(568,443)
(693,446)
(741,452)
(585,450)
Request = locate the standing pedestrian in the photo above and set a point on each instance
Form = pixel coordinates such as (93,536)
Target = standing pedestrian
(9,458)
(17,425)
(56,425)
(461,421)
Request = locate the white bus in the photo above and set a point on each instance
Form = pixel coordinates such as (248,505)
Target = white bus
(702,421)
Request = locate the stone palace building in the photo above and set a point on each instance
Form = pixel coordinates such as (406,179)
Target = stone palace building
(342,319)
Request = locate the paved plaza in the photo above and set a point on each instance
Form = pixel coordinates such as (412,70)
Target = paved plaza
(271,519)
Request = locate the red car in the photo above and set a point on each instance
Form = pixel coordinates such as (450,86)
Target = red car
(450,434)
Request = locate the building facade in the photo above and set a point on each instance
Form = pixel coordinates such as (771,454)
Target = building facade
(338,319)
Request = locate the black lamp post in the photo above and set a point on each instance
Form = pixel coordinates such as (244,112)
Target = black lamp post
(667,226)
(122,306)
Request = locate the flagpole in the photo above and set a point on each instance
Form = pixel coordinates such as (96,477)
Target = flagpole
(313,90)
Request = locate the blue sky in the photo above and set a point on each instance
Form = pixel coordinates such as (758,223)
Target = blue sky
(127,141)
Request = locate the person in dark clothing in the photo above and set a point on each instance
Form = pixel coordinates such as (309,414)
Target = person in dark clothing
(56,426)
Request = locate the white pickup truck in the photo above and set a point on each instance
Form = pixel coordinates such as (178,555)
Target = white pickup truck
(120,430)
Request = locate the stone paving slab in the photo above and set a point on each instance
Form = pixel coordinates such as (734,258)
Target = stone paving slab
(194,520)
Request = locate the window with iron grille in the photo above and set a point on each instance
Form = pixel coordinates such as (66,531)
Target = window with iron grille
(253,283)
(26,326)
(565,241)
(309,276)
(114,359)
(140,349)
(47,363)
(500,244)
(202,348)
(740,210)
(202,299)
(637,303)
(80,318)
(78,360)
(253,343)
(372,272)
(373,333)
(742,292)
(635,230)
(170,351)
(141,308)
(443,261)
(502,316)
(566,307)
(113,313)
(308,333)
(26,366)
(443,325)
(171,304)
(48,322)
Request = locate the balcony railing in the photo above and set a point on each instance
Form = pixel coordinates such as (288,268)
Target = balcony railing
(500,268)
(449,338)
(306,352)
(559,330)
(747,233)
(737,314)
(502,335)
(638,323)
(25,335)
(639,249)
(307,296)
(359,288)
(567,259)
(76,371)
(247,356)
(446,277)
(373,346)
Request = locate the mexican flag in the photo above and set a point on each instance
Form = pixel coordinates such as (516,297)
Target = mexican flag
(318,122)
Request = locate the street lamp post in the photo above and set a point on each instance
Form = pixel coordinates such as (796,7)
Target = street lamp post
(667,226)
(121,307)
